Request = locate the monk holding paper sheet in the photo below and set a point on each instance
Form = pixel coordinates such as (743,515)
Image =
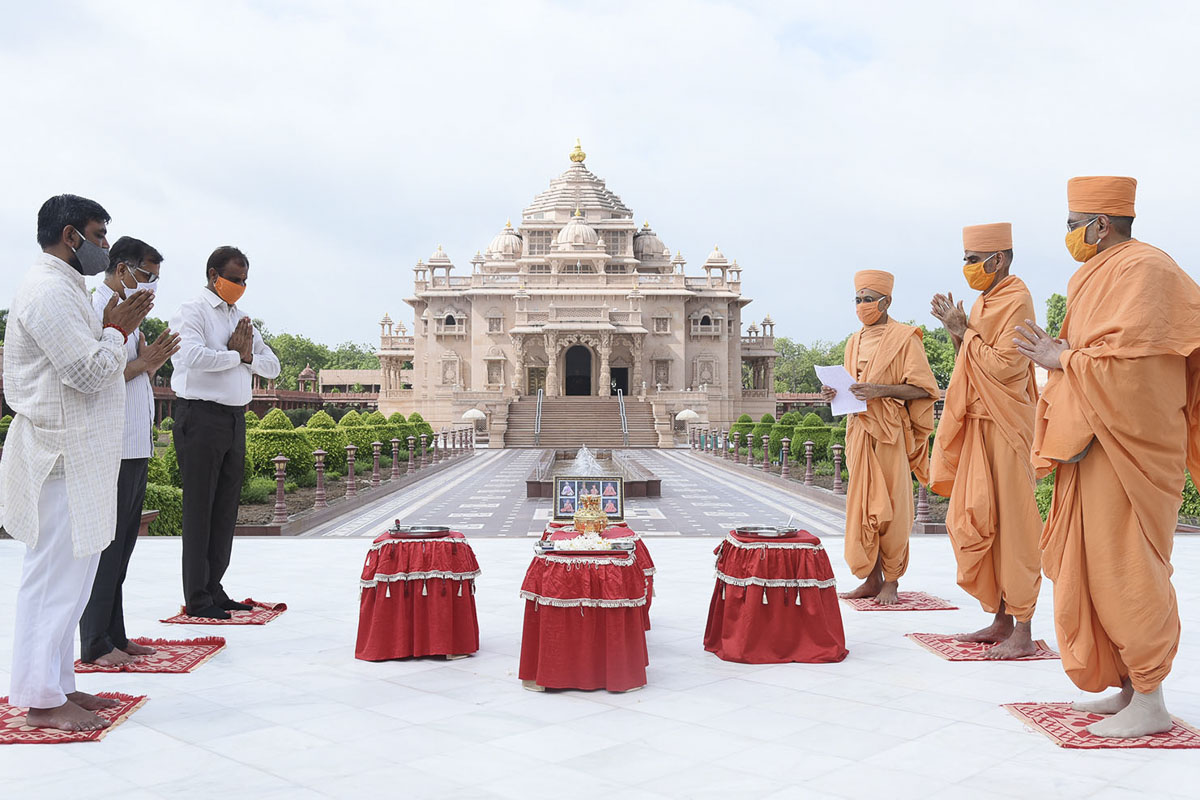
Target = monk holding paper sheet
(981,451)
(888,442)
(1120,422)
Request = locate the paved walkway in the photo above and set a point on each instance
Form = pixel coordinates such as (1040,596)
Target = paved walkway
(485,496)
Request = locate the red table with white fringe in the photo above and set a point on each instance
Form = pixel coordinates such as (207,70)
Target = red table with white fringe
(620,530)
(775,601)
(418,598)
(585,622)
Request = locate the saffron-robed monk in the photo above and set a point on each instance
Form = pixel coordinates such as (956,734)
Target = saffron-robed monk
(981,450)
(887,443)
(1119,422)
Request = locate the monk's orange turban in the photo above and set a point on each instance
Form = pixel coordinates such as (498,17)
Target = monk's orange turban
(874,279)
(988,238)
(1102,194)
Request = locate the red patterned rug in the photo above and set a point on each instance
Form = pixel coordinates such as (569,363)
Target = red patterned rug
(909,601)
(1065,727)
(951,650)
(13,729)
(261,615)
(173,655)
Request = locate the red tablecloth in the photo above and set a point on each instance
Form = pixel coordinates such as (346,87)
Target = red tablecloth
(584,622)
(620,531)
(775,601)
(418,598)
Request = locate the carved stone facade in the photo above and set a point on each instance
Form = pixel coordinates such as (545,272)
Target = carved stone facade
(577,300)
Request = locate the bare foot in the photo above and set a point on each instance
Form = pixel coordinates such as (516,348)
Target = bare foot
(869,588)
(67,717)
(1145,714)
(89,702)
(889,594)
(1000,630)
(1018,645)
(113,658)
(135,649)
(1107,705)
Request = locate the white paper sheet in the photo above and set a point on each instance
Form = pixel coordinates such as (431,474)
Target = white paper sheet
(838,378)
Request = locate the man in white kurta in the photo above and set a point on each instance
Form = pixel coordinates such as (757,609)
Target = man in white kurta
(63,377)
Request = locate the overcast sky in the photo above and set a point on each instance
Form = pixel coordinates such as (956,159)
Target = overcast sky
(338,142)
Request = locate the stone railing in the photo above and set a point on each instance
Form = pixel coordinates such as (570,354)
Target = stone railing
(402,343)
(547,279)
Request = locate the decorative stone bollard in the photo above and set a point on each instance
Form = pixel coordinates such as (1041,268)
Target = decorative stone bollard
(838,488)
(351,479)
(395,459)
(808,463)
(692,437)
(280,461)
(737,439)
(319,499)
(766,465)
(412,467)
(444,454)
(424,452)
(725,445)
(376,448)
(749,450)
(784,457)
(922,504)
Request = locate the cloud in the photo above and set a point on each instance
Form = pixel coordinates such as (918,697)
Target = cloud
(339,143)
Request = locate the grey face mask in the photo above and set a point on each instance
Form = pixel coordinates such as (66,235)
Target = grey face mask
(93,259)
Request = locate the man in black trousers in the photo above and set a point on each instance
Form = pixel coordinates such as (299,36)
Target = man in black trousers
(219,352)
(133,266)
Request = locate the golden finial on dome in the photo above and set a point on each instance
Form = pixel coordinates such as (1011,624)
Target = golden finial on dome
(508,223)
(646,223)
(577,213)
(577,155)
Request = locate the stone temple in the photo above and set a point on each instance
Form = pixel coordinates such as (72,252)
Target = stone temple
(580,303)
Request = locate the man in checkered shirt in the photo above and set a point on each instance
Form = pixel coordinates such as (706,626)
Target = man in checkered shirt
(63,370)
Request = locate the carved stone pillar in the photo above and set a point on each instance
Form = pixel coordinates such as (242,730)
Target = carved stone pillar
(636,351)
(518,341)
(551,365)
(605,388)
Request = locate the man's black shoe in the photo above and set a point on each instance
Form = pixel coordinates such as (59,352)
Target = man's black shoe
(212,612)
(233,605)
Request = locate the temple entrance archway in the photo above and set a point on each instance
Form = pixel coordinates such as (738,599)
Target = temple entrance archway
(577,371)
(620,380)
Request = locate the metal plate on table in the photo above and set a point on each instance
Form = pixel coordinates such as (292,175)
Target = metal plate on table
(766,531)
(417,531)
(621,547)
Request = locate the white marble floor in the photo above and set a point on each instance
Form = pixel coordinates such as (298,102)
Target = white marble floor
(285,711)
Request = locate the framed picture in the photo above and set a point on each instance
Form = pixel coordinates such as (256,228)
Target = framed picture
(568,490)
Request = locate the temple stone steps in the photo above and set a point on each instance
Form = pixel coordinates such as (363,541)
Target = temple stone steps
(572,421)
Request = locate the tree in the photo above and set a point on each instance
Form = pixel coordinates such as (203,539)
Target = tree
(295,353)
(794,367)
(349,355)
(152,328)
(939,349)
(1056,309)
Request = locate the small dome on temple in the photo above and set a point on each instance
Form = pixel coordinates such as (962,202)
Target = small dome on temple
(646,244)
(576,232)
(507,244)
(439,256)
(716,256)
(387,319)
(308,373)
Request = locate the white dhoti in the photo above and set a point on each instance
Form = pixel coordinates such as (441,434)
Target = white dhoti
(55,587)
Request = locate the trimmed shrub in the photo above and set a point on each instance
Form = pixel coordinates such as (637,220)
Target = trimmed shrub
(171,462)
(779,432)
(168,502)
(767,419)
(375,418)
(158,472)
(1191,498)
(257,490)
(323,434)
(358,434)
(308,480)
(1045,493)
(811,420)
(790,418)
(251,420)
(756,433)
(274,436)
(821,437)
(419,426)
(166,424)
(335,412)
(838,437)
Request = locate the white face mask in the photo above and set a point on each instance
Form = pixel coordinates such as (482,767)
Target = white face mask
(140,287)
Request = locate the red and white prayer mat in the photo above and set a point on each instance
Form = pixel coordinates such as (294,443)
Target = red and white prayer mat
(13,729)
(261,615)
(909,601)
(1066,728)
(173,655)
(951,649)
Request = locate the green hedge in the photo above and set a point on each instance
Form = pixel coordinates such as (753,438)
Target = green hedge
(820,435)
(419,426)
(274,436)
(757,432)
(359,434)
(1191,499)
(790,418)
(166,424)
(779,432)
(257,491)
(812,420)
(252,420)
(168,501)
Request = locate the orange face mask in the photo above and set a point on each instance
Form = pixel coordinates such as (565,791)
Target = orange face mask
(978,278)
(229,291)
(1079,249)
(869,313)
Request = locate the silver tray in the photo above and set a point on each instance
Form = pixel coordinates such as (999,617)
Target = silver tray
(417,531)
(766,531)
(619,546)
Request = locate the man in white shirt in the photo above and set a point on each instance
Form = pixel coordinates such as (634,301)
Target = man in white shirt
(133,267)
(62,375)
(219,352)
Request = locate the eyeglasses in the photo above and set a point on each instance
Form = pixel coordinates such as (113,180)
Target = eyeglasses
(1073,225)
(150,277)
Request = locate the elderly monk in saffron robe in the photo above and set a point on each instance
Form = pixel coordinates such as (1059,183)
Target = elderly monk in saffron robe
(888,442)
(1120,422)
(981,451)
